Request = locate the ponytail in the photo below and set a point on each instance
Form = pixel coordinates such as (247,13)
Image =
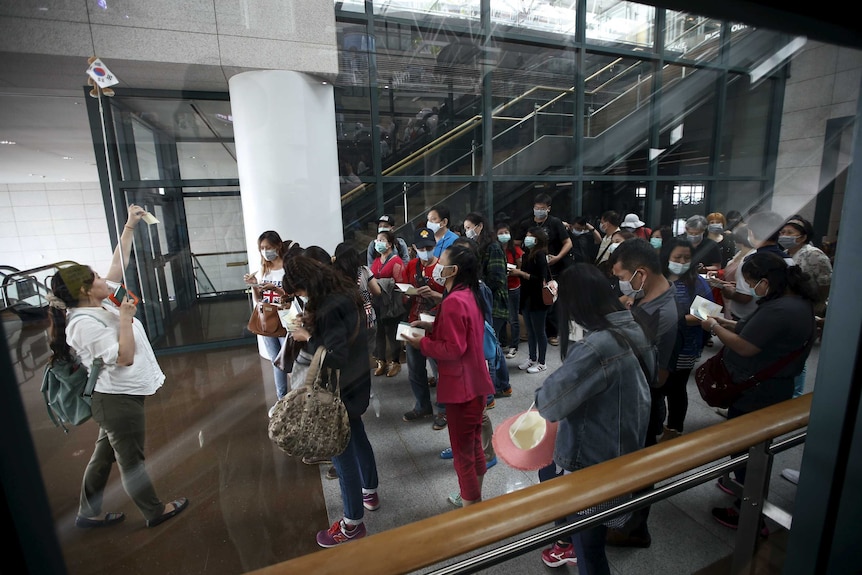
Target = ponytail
(801,283)
(66,286)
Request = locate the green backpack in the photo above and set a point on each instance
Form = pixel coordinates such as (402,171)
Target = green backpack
(68,388)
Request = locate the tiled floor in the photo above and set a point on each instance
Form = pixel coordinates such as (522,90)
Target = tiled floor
(251,506)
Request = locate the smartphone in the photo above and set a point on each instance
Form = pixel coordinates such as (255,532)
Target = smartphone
(120,294)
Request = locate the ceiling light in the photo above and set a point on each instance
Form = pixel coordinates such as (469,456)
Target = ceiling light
(7,142)
(67,157)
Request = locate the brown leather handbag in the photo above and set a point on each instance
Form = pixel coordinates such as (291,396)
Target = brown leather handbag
(264,321)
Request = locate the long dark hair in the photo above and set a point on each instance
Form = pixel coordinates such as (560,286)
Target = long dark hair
(347,260)
(66,287)
(319,282)
(464,254)
(585,297)
(541,247)
(667,248)
(485,238)
(781,277)
(510,245)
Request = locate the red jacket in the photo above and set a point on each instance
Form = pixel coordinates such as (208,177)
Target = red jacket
(456,344)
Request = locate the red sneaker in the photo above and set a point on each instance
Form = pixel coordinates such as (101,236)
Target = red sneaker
(340,533)
(371,501)
(559,555)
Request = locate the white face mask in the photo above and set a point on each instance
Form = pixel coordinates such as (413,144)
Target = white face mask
(628,290)
(529,241)
(424,255)
(269,255)
(437,274)
(540,214)
(381,230)
(678,269)
(471,233)
(433,226)
(504,238)
(612,247)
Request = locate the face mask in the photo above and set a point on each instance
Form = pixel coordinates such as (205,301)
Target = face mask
(612,247)
(303,299)
(541,214)
(437,274)
(381,230)
(529,242)
(603,227)
(754,295)
(655,242)
(715,228)
(694,239)
(578,232)
(627,289)
(787,242)
(423,255)
(677,269)
(379,246)
(471,233)
(269,255)
(434,227)
(504,238)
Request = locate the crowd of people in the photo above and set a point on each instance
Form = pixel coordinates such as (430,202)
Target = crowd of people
(622,319)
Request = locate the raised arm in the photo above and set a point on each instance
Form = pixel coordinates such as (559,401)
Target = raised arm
(115,273)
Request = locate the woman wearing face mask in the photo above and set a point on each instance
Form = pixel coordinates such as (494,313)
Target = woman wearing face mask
(438,222)
(676,258)
(777,336)
(347,262)
(534,274)
(707,254)
(455,341)
(716,226)
(514,255)
(429,293)
(795,237)
(388,269)
(492,268)
(659,236)
(267,287)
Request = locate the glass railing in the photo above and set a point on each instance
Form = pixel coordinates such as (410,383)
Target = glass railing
(218,273)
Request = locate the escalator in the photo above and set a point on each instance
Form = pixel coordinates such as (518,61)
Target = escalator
(536,140)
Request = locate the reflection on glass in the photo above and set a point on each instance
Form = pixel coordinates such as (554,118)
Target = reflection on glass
(456,9)
(206,160)
(691,36)
(688,112)
(744,133)
(145,150)
(618,22)
(559,17)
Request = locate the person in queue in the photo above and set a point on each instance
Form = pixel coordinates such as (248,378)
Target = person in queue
(600,396)
(334,317)
(439,220)
(86,325)
(585,240)
(716,226)
(610,223)
(514,257)
(346,261)
(796,237)
(650,296)
(534,273)
(777,335)
(388,265)
(660,235)
(429,294)
(386,223)
(676,257)
(633,223)
(455,340)
(266,287)
(707,253)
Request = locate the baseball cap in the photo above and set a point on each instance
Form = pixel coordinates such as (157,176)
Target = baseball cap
(387,219)
(424,238)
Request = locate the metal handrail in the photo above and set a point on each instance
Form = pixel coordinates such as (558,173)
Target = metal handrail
(435,539)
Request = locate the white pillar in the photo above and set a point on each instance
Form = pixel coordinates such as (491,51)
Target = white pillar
(287,157)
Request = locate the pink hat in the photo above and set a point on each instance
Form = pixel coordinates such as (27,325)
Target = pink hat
(525,441)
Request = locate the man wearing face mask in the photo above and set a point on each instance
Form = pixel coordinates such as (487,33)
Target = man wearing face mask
(422,273)
(387,223)
(650,297)
(438,222)
(610,223)
(585,240)
(707,253)
(559,246)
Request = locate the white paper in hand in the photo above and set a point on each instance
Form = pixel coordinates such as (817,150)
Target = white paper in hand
(406,328)
(407,289)
(702,308)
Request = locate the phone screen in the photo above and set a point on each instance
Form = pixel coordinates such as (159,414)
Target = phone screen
(120,294)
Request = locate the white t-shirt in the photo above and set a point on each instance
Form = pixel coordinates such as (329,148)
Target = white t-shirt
(98,336)
(276,278)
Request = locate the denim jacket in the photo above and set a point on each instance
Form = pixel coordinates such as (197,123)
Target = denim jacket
(600,396)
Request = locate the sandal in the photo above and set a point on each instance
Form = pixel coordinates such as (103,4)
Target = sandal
(179,505)
(110,519)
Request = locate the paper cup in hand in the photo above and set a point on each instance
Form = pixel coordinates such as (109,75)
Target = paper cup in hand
(526,441)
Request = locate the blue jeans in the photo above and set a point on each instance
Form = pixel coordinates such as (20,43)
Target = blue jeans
(799,382)
(537,338)
(357,470)
(499,371)
(590,549)
(273,347)
(417,373)
(514,322)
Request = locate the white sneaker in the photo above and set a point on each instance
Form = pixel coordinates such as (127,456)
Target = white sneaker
(537,367)
(527,364)
(791,475)
(513,351)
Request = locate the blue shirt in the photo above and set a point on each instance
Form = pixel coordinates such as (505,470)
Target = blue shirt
(447,240)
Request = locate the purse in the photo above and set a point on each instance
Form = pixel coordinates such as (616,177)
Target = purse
(716,385)
(264,321)
(549,292)
(312,421)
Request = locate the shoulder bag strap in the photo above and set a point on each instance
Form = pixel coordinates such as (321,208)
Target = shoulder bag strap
(650,378)
(768,372)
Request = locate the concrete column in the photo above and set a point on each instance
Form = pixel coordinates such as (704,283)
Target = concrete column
(287,158)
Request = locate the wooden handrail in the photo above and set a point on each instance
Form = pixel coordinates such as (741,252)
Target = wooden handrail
(430,541)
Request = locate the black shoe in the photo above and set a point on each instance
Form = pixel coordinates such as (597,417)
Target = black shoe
(110,519)
(179,505)
(617,538)
(414,415)
(439,422)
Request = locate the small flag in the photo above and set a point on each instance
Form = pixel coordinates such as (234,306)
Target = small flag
(101,75)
